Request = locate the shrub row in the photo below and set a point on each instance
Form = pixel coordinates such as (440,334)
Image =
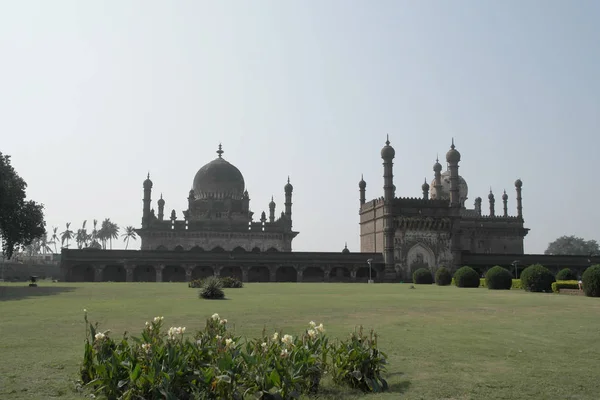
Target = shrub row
(216,364)
(227,282)
(571,284)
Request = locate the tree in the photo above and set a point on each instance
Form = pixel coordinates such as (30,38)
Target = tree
(54,239)
(21,221)
(572,245)
(129,234)
(108,231)
(67,235)
(82,237)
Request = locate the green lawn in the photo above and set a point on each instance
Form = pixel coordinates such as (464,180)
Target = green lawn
(442,342)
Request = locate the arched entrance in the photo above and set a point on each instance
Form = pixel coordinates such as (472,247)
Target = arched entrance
(114,273)
(286,274)
(173,273)
(144,273)
(362,274)
(259,274)
(234,272)
(339,274)
(313,274)
(81,273)
(202,272)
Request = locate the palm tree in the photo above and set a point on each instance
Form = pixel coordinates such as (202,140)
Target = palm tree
(82,236)
(94,236)
(108,231)
(54,238)
(129,234)
(66,235)
(44,244)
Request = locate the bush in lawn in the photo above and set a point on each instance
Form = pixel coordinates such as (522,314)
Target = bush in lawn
(558,285)
(591,281)
(466,277)
(422,276)
(566,275)
(230,282)
(498,278)
(537,278)
(216,364)
(196,283)
(443,277)
(211,288)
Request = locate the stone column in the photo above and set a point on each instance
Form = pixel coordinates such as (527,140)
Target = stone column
(353,274)
(299,273)
(159,270)
(217,269)
(326,271)
(244,274)
(272,273)
(129,273)
(98,272)
(188,272)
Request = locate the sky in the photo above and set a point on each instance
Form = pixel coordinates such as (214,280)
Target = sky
(94,95)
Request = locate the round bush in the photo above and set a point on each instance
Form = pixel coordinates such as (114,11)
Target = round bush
(422,276)
(443,277)
(230,282)
(211,288)
(537,278)
(591,281)
(566,275)
(466,277)
(498,278)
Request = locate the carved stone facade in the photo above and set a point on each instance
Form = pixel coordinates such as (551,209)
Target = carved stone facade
(436,229)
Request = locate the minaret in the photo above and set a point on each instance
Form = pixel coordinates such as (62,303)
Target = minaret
(288,188)
(147,200)
(492,203)
(191,198)
(505,201)
(161,208)
(453,158)
(437,183)
(272,210)
(518,186)
(425,188)
(362,186)
(387,154)
(478,206)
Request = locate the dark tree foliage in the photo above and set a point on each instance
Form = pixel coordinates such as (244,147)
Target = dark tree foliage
(591,281)
(572,245)
(566,275)
(498,278)
(21,220)
(443,277)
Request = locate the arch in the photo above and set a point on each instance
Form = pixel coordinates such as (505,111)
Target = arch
(173,273)
(259,274)
(286,274)
(161,248)
(256,250)
(232,271)
(201,272)
(114,273)
(313,274)
(218,249)
(238,249)
(144,273)
(81,273)
(339,274)
(362,274)
(420,256)
(197,249)
(272,250)
(178,248)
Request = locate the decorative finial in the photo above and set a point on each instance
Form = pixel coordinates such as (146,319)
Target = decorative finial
(288,179)
(362,178)
(490,189)
(452,146)
(346,245)
(271,197)
(161,196)
(387,141)
(220,151)
(437,158)
(148,175)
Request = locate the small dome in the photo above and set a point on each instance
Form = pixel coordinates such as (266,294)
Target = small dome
(345,251)
(148,182)
(505,196)
(362,184)
(161,202)
(491,195)
(271,203)
(452,156)
(218,179)
(518,183)
(425,186)
(478,200)
(463,188)
(388,152)
(288,186)
(437,167)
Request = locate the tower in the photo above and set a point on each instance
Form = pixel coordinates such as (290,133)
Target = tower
(478,205)
(147,200)
(387,154)
(453,158)
(271,210)
(161,208)
(362,185)
(505,201)
(518,186)
(425,188)
(288,188)
(492,204)
(437,182)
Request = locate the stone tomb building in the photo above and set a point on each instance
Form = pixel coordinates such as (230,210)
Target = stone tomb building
(437,228)
(217,235)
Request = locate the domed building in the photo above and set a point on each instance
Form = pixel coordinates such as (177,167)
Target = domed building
(218,216)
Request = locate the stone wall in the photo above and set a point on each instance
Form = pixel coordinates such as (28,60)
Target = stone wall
(22,272)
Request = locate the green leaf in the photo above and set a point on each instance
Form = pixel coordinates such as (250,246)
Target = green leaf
(136,372)
(275,378)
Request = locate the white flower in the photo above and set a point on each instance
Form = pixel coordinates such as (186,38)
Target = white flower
(100,336)
(287,340)
(158,319)
(285,353)
(312,333)
(264,346)
(218,337)
(199,342)
(229,343)
(174,332)
(84,310)
(147,324)
(223,321)
(312,324)
(215,317)
(275,336)
(320,328)
(147,347)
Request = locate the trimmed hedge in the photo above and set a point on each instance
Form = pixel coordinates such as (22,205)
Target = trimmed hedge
(591,281)
(466,277)
(422,276)
(516,283)
(566,275)
(537,278)
(443,277)
(498,278)
(570,284)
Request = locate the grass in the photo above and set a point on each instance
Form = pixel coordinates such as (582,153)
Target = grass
(442,342)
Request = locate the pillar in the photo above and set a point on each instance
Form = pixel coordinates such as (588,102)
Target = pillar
(98,272)
(353,274)
(159,271)
(188,272)
(299,273)
(129,273)
(244,274)
(272,274)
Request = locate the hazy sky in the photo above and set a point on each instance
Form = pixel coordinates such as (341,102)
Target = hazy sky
(94,94)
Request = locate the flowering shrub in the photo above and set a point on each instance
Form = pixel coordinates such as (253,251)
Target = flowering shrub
(216,364)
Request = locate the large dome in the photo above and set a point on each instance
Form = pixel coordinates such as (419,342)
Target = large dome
(218,179)
(463,189)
